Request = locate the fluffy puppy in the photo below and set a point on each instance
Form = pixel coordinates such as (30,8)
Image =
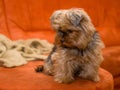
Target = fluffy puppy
(77,50)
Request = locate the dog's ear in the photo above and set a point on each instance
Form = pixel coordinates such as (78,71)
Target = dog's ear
(74,18)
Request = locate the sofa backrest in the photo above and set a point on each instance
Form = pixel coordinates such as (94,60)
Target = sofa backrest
(26,18)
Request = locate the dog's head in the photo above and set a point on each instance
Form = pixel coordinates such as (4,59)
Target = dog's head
(73,27)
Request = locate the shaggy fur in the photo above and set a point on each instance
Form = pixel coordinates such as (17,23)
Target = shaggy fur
(77,49)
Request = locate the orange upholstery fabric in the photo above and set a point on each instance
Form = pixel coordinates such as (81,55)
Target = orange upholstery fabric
(112,63)
(25,78)
(23,19)
(26,16)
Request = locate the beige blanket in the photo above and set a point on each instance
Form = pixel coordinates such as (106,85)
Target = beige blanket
(16,53)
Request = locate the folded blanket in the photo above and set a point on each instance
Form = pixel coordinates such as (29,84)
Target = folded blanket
(19,52)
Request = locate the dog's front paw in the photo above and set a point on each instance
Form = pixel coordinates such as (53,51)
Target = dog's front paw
(64,79)
(39,68)
(96,79)
(49,72)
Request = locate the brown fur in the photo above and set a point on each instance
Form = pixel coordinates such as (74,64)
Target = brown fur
(77,48)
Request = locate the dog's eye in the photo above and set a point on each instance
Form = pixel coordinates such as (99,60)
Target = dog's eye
(60,31)
(69,31)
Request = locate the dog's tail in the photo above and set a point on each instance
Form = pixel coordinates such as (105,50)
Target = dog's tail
(39,68)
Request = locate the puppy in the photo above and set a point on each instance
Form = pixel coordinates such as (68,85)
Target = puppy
(77,50)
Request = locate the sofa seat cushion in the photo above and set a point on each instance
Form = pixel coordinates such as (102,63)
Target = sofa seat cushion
(25,78)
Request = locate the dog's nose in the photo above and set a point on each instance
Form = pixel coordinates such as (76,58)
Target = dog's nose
(61,33)
(62,40)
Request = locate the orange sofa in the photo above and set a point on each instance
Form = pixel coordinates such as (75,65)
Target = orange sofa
(25,19)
